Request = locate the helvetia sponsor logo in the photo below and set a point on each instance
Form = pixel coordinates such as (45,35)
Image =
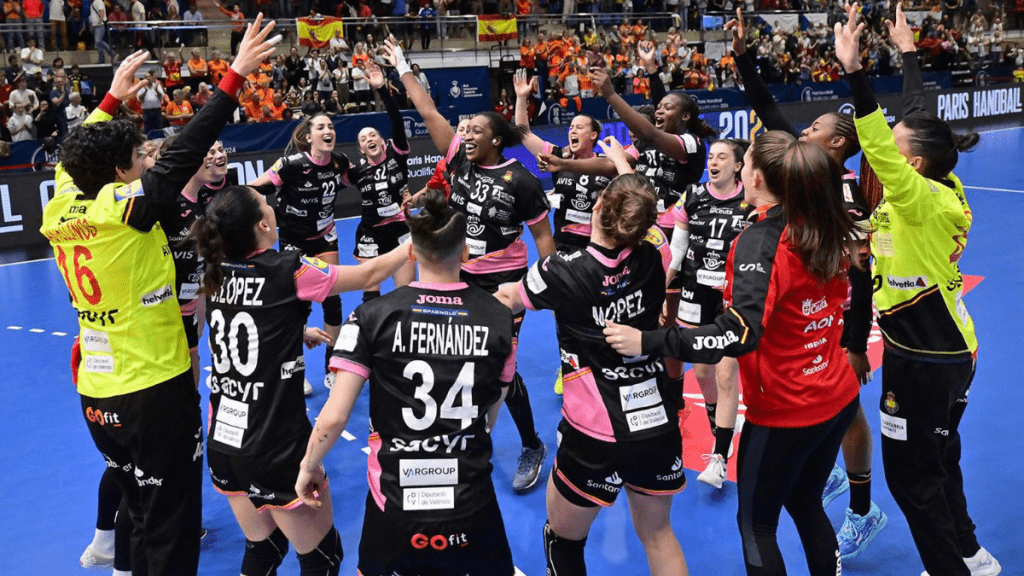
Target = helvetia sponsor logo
(157,296)
(908,283)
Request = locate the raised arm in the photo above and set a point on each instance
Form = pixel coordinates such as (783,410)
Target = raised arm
(646,50)
(757,93)
(664,142)
(524,87)
(614,151)
(441,131)
(913,84)
(376,78)
(595,165)
(371,272)
(329,425)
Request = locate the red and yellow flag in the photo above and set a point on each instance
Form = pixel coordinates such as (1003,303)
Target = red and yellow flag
(494,27)
(318,33)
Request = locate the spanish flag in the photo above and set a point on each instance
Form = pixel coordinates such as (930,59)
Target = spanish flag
(318,32)
(494,28)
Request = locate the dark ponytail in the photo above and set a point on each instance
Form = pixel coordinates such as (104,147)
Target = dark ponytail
(438,232)
(227,231)
(934,140)
(847,129)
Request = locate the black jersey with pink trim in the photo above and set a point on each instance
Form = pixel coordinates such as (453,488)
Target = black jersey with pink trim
(305,200)
(668,175)
(496,200)
(577,195)
(713,224)
(437,357)
(381,186)
(607,396)
(256,322)
(188,265)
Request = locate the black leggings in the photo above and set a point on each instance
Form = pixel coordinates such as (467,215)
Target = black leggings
(788,467)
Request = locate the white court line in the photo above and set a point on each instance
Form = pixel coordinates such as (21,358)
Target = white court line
(366,450)
(59,333)
(994,189)
(347,435)
(14,327)
(37,330)
(25,262)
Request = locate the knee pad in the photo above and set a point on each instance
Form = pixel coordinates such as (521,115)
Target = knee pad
(325,559)
(262,558)
(564,557)
(332,310)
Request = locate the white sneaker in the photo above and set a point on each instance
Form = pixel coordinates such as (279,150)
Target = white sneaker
(981,564)
(715,474)
(95,559)
(329,380)
(307,388)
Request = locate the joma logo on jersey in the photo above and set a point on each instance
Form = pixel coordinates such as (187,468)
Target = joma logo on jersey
(431,299)
(715,342)
(616,278)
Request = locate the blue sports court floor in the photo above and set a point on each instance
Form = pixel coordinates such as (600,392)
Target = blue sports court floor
(49,468)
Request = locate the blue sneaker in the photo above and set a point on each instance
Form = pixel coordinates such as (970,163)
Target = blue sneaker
(858,531)
(836,485)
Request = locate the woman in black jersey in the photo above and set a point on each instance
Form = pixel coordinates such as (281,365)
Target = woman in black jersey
(257,303)
(382,178)
(497,196)
(307,184)
(837,135)
(614,408)
(708,218)
(429,510)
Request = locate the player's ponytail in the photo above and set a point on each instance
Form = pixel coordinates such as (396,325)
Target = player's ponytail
(934,140)
(226,231)
(438,232)
(629,207)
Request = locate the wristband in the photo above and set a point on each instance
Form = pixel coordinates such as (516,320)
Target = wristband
(110,104)
(231,83)
(402,67)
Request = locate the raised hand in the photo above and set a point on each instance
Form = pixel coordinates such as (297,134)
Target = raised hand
(524,85)
(848,40)
(255,46)
(739,33)
(549,162)
(612,148)
(124,85)
(899,31)
(374,75)
(602,81)
(646,51)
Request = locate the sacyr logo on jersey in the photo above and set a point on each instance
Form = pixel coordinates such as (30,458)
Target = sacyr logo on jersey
(429,472)
(570,359)
(447,443)
(157,296)
(715,342)
(908,283)
(151,481)
(439,542)
(102,418)
(891,406)
(812,307)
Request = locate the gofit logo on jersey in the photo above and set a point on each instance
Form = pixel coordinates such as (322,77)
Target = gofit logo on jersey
(102,418)
(439,542)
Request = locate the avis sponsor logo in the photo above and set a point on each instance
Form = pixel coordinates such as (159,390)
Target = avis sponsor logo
(908,283)
(439,542)
(157,296)
(715,342)
(102,418)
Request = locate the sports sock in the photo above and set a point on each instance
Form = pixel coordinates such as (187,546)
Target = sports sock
(518,402)
(860,492)
(723,438)
(564,556)
(711,409)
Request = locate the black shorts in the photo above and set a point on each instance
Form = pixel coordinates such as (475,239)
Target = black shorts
(191,322)
(591,472)
(268,479)
(699,305)
(326,244)
(472,546)
(373,241)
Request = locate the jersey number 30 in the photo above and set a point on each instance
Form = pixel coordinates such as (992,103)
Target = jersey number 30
(461,389)
(227,354)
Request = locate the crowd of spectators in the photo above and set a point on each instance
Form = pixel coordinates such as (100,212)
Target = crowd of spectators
(39,102)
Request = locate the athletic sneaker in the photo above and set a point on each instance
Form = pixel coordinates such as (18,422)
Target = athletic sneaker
(95,559)
(329,380)
(981,564)
(836,485)
(715,474)
(528,470)
(307,388)
(858,531)
(558,383)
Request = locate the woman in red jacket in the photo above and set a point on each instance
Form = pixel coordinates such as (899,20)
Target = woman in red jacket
(786,281)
